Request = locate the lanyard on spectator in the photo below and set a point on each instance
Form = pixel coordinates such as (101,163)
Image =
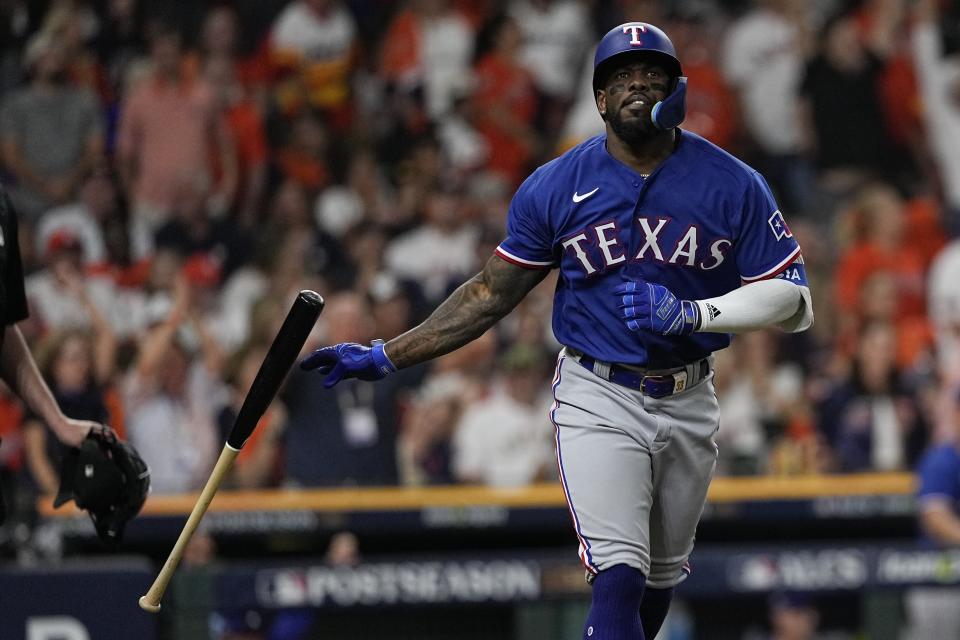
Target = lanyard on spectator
(357,417)
(354,396)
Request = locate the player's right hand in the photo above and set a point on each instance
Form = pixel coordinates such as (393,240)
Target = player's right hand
(349,360)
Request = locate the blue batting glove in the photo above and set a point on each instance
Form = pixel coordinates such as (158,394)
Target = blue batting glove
(349,360)
(652,307)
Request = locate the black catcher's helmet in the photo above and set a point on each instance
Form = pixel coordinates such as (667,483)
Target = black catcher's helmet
(108,478)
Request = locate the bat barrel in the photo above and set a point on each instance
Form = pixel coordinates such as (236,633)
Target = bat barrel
(281,356)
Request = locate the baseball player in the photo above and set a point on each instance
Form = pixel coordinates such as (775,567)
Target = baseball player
(665,245)
(932,611)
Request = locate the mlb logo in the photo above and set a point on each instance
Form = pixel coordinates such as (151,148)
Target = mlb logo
(779,226)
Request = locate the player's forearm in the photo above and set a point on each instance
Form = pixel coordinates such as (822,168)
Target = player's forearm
(469,311)
(20,372)
(460,319)
(756,305)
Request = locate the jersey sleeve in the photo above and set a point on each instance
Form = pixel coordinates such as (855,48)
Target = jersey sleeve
(937,475)
(14,308)
(529,241)
(764,246)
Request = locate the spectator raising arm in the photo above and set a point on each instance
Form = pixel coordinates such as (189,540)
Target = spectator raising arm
(939,81)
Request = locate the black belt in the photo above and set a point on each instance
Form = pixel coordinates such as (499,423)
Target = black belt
(656,384)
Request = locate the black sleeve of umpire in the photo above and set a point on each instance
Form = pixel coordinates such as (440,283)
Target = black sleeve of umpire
(13,298)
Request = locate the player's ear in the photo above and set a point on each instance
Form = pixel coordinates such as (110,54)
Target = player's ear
(602,103)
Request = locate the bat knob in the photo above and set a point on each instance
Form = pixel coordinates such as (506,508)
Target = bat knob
(146,605)
(313,298)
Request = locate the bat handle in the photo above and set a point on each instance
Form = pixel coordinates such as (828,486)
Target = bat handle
(151,601)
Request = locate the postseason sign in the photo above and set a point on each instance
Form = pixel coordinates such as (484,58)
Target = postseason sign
(385,584)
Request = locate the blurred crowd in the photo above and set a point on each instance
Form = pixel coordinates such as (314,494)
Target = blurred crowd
(182,169)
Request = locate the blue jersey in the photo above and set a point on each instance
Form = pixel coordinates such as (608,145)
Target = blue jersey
(701,224)
(938,476)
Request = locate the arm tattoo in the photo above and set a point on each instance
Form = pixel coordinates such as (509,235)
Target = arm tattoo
(469,311)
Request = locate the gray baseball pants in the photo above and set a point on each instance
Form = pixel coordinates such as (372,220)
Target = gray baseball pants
(635,469)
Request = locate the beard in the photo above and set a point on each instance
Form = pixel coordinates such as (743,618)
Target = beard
(633,131)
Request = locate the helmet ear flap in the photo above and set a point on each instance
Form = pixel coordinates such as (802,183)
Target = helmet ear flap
(670,112)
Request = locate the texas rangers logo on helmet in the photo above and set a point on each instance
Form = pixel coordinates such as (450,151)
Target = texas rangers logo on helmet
(635,30)
(779,226)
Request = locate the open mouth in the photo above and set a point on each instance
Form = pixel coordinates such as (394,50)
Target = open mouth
(637,103)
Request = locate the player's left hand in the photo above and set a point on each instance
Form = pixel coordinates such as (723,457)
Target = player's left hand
(645,306)
(349,360)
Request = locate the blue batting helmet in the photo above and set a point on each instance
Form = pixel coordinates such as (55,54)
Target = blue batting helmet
(648,41)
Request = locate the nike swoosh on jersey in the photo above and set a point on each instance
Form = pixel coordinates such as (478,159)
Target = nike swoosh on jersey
(580,198)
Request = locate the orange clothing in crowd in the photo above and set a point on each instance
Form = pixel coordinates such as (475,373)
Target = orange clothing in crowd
(253,71)
(908,266)
(400,55)
(900,100)
(256,439)
(245,124)
(311,54)
(302,168)
(115,409)
(864,260)
(476,12)
(11,418)
(711,110)
(508,87)
(897,87)
(249,142)
(923,231)
(86,72)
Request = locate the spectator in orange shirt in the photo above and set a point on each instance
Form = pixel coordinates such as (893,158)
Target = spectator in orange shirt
(221,38)
(881,277)
(303,158)
(426,53)
(11,447)
(169,129)
(507,98)
(878,215)
(246,129)
(711,105)
(897,89)
(259,462)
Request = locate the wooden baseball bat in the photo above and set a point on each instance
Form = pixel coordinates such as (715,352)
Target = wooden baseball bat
(281,356)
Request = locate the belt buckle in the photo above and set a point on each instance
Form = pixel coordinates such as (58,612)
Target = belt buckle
(664,385)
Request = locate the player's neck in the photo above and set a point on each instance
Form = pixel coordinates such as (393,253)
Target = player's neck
(643,156)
